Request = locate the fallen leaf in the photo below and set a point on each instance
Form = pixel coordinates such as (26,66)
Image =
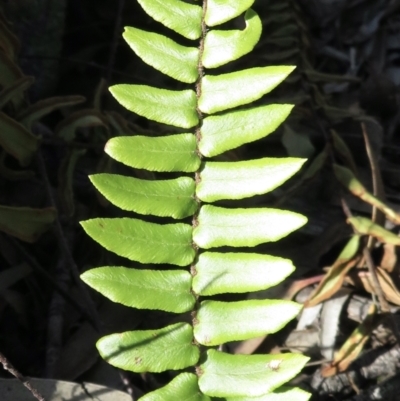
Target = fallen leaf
(353,345)
(333,280)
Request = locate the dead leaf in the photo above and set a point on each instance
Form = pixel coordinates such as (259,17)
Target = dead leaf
(389,258)
(333,280)
(389,288)
(353,345)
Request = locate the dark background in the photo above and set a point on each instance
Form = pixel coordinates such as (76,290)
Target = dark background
(347,55)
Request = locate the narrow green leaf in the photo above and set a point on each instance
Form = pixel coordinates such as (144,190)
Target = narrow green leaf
(233,129)
(151,350)
(165,55)
(66,173)
(237,180)
(220,11)
(177,15)
(225,375)
(15,90)
(16,140)
(9,42)
(222,322)
(142,241)
(9,70)
(221,47)
(9,74)
(217,273)
(46,106)
(25,223)
(280,394)
(167,153)
(177,108)
(243,227)
(183,388)
(297,144)
(13,174)
(345,153)
(222,92)
(347,178)
(167,198)
(81,119)
(365,226)
(167,290)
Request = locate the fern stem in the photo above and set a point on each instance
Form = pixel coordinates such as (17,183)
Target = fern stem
(200,69)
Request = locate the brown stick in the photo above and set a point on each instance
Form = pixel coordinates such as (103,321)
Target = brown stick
(10,368)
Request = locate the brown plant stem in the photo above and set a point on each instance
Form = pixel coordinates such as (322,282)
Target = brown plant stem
(10,368)
(383,304)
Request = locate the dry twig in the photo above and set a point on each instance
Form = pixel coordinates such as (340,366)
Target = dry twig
(10,368)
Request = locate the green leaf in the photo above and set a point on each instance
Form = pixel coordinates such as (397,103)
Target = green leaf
(297,144)
(217,273)
(167,290)
(233,129)
(12,174)
(225,375)
(243,227)
(46,106)
(222,92)
(177,15)
(66,183)
(9,74)
(167,153)
(167,198)
(280,394)
(151,350)
(183,388)
(15,90)
(221,47)
(16,140)
(25,223)
(237,180)
(345,153)
(220,322)
(365,226)
(177,108)
(81,119)
(347,178)
(165,55)
(220,11)
(9,42)
(142,241)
